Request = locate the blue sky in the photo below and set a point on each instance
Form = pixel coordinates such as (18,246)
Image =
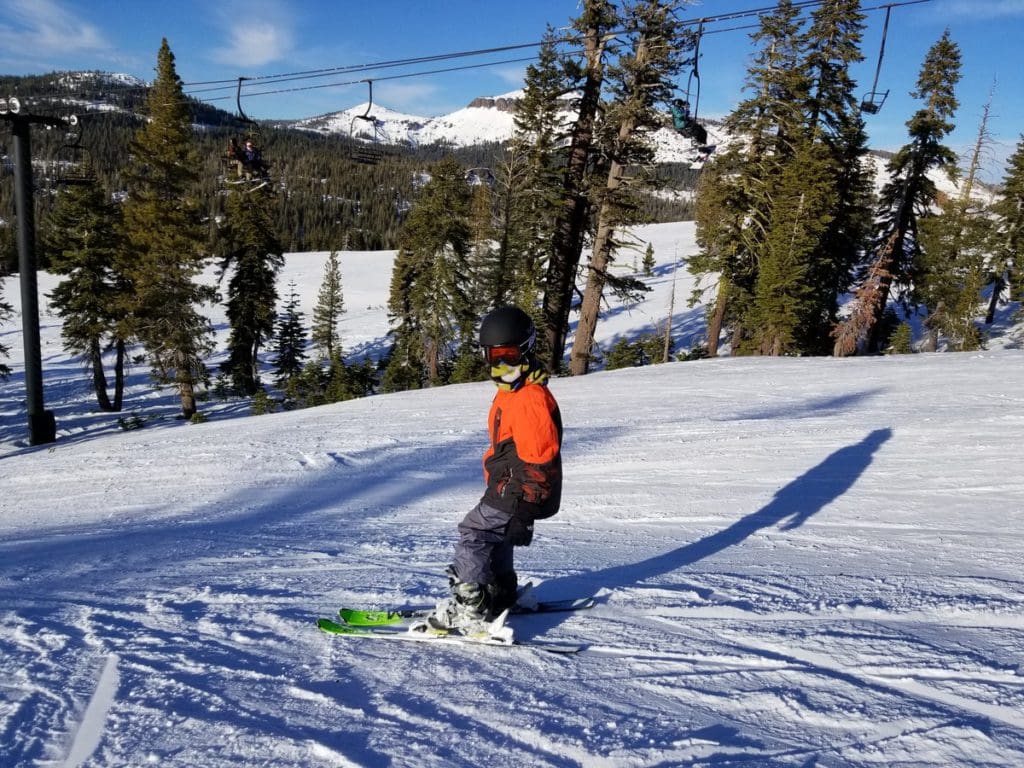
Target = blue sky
(232,38)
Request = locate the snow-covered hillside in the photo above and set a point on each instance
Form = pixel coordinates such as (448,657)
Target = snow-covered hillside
(798,562)
(92,79)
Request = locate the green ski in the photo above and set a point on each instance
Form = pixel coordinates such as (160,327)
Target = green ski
(376,618)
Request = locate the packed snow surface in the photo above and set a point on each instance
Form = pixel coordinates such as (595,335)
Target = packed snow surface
(798,562)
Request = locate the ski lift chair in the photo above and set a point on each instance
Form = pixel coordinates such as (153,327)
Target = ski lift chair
(362,152)
(481,176)
(873,101)
(257,174)
(73,162)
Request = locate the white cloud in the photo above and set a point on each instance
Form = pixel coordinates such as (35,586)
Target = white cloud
(257,33)
(36,29)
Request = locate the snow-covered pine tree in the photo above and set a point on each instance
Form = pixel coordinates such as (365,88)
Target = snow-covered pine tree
(909,195)
(82,241)
(330,304)
(164,226)
(249,247)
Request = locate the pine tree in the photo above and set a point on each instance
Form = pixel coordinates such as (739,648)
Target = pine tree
(163,225)
(596,21)
(908,196)
(290,341)
(429,301)
(8,248)
(624,354)
(404,367)
(640,80)
(735,198)
(951,274)
(951,271)
(830,47)
(902,340)
(82,242)
(308,388)
(784,296)
(782,218)
(491,280)
(530,185)
(724,252)
(249,246)
(649,262)
(1006,269)
(528,194)
(330,305)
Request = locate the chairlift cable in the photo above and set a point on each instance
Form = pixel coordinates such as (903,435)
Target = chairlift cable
(881,50)
(328,71)
(378,79)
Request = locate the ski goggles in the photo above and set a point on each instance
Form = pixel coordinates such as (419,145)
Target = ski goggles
(509,355)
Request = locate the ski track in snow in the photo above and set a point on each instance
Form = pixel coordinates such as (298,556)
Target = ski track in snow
(90,730)
(797,562)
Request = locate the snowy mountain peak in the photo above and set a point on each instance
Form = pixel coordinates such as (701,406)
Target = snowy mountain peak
(486,119)
(75,80)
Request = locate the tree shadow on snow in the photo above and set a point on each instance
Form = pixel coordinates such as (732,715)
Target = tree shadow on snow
(792,506)
(799,408)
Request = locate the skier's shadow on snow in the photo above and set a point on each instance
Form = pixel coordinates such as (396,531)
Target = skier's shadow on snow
(792,506)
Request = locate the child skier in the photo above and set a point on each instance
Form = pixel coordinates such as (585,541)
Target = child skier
(522,470)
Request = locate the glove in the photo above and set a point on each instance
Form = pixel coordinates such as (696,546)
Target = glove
(519,531)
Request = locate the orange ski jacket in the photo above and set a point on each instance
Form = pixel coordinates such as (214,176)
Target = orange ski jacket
(523,465)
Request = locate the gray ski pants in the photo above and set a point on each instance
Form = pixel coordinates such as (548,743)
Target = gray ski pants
(482,554)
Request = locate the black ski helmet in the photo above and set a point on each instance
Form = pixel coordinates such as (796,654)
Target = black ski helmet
(508,327)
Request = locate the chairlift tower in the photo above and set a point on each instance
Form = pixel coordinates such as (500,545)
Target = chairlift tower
(41,423)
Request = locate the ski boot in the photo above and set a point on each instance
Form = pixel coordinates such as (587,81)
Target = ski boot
(465,611)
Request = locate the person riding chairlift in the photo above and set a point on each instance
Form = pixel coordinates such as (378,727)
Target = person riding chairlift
(248,159)
(685,124)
